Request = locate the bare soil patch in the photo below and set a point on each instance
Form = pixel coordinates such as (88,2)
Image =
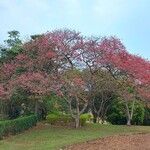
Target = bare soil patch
(118,142)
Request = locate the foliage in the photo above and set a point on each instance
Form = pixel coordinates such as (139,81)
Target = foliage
(18,102)
(18,105)
(147,116)
(116,113)
(74,91)
(13,46)
(17,125)
(54,103)
(84,118)
(54,62)
(13,38)
(101,89)
(59,119)
(138,116)
(66,119)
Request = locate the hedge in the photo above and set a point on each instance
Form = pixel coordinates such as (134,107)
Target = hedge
(17,125)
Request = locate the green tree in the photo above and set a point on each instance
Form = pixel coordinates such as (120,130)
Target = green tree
(117,112)
(12,46)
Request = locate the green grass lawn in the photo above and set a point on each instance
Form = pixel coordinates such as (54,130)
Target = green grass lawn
(53,138)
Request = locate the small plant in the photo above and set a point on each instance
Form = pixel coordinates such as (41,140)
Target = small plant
(84,118)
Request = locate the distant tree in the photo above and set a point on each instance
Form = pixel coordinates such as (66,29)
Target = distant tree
(34,37)
(14,39)
(12,47)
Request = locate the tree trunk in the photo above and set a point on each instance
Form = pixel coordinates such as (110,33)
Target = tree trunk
(77,118)
(77,122)
(129,121)
(128,115)
(98,119)
(132,110)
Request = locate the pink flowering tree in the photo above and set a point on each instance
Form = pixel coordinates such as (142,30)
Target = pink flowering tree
(49,63)
(130,71)
(30,70)
(75,92)
(3,92)
(38,68)
(36,85)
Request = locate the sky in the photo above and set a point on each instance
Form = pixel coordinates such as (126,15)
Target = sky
(128,20)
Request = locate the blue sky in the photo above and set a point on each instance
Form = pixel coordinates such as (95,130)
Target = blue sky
(127,19)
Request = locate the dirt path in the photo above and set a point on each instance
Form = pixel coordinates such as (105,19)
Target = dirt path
(125,142)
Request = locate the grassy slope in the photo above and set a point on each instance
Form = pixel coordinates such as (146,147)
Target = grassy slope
(53,138)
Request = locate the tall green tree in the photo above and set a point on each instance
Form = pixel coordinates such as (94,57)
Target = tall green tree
(12,46)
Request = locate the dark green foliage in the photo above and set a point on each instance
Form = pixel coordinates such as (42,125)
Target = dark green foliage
(13,38)
(117,118)
(36,36)
(130,90)
(138,116)
(17,105)
(17,125)
(54,104)
(3,110)
(117,113)
(12,47)
(147,116)
(20,70)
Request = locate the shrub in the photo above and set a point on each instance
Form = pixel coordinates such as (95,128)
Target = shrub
(52,118)
(84,118)
(117,118)
(66,119)
(17,125)
(59,119)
